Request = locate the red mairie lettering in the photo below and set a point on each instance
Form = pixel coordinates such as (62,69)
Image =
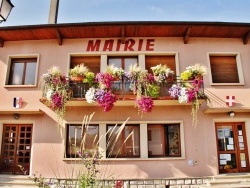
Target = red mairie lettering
(108,45)
(93,46)
(119,45)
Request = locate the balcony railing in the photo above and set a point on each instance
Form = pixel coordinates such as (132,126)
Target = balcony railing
(123,89)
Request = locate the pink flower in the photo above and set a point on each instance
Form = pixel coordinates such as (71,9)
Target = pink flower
(105,99)
(145,104)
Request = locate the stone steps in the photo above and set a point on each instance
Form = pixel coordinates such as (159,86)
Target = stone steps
(16,181)
(230,181)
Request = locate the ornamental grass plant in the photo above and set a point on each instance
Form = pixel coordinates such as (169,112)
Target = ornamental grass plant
(89,168)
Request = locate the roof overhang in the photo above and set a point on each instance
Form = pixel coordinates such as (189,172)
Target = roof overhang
(123,30)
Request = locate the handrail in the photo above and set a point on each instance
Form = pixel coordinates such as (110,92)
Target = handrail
(122,89)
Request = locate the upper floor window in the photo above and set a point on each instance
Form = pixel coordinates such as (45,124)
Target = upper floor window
(22,71)
(92,62)
(164,140)
(153,60)
(226,69)
(123,141)
(80,137)
(123,62)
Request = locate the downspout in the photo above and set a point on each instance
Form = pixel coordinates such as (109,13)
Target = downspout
(54,4)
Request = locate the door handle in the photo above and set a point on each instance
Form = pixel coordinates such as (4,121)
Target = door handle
(17,152)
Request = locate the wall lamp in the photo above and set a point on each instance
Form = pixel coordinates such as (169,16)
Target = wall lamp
(16,116)
(231,113)
(5,8)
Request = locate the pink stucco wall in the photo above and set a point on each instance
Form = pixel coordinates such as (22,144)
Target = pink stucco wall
(48,145)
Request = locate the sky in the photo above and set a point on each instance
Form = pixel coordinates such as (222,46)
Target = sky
(34,12)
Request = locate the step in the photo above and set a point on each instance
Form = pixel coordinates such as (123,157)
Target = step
(231,180)
(16,181)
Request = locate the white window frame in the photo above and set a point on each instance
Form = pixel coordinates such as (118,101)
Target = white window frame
(143,139)
(9,67)
(238,63)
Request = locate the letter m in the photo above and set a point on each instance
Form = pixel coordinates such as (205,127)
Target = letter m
(93,46)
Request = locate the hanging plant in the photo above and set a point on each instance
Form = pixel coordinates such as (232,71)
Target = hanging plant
(55,88)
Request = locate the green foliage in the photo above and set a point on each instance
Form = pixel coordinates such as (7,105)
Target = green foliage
(153,90)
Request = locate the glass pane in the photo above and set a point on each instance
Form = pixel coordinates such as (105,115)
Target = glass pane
(117,62)
(173,135)
(76,142)
(17,73)
(227,161)
(226,140)
(128,62)
(156,144)
(30,73)
(240,138)
(90,137)
(123,143)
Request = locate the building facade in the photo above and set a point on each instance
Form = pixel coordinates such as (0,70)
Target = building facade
(163,143)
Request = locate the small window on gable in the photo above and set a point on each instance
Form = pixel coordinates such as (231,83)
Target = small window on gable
(22,71)
(226,70)
(168,60)
(92,62)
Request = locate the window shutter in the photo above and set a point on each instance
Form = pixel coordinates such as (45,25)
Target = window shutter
(224,69)
(92,62)
(152,61)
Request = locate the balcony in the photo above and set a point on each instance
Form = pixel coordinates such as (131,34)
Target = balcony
(124,94)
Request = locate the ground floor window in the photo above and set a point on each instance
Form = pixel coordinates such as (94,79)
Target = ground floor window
(81,137)
(123,141)
(164,140)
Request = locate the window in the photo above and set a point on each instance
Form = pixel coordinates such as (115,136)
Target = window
(123,141)
(22,71)
(164,140)
(124,63)
(92,62)
(78,139)
(225,69)
(168,60)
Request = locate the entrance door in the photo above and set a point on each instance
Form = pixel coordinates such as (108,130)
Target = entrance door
(16,148)
(232,147)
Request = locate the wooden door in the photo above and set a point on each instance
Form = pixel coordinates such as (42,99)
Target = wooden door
(16,149)
(232,147)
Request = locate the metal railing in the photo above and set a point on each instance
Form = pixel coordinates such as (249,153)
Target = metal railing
(124,89)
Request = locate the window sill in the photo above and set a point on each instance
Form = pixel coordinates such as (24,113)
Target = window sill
(130,159)
(227,84)
(20,86)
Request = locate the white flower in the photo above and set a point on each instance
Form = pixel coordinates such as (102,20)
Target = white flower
(134,68)
(90,95)
(54,70)
(49,94)
(183,97)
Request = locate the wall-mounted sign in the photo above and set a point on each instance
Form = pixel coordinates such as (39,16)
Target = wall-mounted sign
(17,102)
(230,100)
(120,45)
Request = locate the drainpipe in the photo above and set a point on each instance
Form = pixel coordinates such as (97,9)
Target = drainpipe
(54,4)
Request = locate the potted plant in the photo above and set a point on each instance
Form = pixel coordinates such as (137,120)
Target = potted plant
(78,72)
(55,88)
(190,92)
(116,72)
(192,72)
(162,73)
